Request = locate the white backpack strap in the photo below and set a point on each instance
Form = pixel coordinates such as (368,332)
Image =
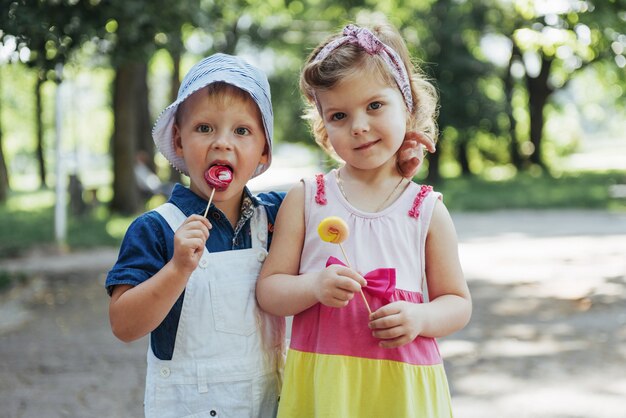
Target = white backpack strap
(172,215)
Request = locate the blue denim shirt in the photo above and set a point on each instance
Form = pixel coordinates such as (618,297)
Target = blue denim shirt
(149,244)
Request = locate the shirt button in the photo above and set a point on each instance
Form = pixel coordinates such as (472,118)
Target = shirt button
(216,216)
(261,255)
(262,235)
(213,413)
(203,262)
(165,371)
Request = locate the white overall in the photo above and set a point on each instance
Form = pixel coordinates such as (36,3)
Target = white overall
(222,366)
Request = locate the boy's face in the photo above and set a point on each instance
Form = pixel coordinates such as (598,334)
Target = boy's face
(224,129)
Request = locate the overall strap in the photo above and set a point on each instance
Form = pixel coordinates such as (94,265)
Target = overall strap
(258,227)
(172,215)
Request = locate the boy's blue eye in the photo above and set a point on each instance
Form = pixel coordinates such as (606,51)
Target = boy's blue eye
(375,105)
(338,116)
(205,129)
(242,131)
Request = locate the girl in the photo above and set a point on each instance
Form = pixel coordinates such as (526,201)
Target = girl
(343,361)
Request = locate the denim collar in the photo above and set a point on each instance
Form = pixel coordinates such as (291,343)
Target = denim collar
(190,203)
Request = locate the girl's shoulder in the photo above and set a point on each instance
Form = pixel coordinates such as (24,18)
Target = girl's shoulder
(424,197)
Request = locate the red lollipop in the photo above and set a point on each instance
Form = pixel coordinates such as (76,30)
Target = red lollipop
(219,177)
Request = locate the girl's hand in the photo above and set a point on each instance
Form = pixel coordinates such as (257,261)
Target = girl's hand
(411,154)
(336,285)
(189,242)
(397,324)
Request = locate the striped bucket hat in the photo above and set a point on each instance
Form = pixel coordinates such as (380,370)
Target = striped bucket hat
(228,69)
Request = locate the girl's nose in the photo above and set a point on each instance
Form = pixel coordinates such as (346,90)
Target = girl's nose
(360,125)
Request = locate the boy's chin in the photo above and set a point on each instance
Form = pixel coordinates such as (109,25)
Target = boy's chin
(206,190)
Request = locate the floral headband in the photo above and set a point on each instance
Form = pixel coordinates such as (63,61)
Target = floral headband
(364,38)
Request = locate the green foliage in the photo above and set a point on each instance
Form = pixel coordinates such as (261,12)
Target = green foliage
(51,30)
(589,190)
(7,279)
(445,35)
(27,221)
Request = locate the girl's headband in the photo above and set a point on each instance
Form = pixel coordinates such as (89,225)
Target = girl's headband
(364,38)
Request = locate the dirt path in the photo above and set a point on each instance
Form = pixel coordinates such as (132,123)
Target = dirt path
(547,337)
(548,332)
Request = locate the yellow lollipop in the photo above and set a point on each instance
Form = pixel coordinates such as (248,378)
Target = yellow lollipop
(333,229)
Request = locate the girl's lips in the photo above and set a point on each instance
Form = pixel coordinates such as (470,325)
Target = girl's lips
(367,145)
(218,177)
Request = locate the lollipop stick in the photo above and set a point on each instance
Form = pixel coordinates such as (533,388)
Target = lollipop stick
(209,204)
(367,305)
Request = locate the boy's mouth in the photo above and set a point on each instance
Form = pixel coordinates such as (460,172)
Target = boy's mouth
(219,176)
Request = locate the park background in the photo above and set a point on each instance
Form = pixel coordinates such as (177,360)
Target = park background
(531,159)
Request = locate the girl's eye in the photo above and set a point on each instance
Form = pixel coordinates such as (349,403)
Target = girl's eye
(242,131)
(375,105)
(205,129)
(338,116)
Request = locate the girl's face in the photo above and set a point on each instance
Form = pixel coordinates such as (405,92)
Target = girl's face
(365,119)
(225,130)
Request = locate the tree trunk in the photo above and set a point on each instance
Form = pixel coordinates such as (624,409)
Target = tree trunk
(41,162)
(433,176)
(126,199)
(509,84)
(144,126)
(538,93)
(4,172)
(463,157)
(174,86)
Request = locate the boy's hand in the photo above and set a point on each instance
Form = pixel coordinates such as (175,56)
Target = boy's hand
(336,285)
(411,154)
(397,323)
(189,242)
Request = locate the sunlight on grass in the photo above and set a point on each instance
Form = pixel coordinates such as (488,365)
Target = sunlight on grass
(117,227)
(35,200)
(27,218)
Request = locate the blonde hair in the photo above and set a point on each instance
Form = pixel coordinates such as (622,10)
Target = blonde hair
(346,60)
(225,94)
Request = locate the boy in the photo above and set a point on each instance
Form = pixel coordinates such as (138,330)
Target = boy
(211,350)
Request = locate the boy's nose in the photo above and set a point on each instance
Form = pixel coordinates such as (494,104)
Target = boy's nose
(223,141)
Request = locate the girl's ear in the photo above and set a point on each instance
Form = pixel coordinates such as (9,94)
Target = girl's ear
(177,140)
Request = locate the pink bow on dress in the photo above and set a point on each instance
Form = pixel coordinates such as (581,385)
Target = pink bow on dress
(380,282)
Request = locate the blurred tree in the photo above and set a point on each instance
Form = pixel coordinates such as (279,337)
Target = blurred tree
(133,32)
(465,108)
(136,30)
(4,173)
(49,31)
(274,34)
(555,41)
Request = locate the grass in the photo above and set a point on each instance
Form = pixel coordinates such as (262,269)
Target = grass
(27,218)
(27,221)
(585,190)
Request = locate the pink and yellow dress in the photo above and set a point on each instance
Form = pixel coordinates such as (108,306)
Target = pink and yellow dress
(335,367)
